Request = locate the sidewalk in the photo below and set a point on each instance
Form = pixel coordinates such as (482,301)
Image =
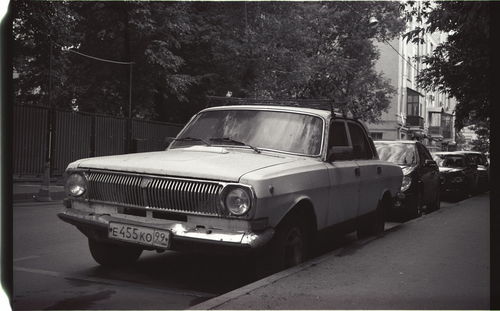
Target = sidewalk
(24,191)
(439,261)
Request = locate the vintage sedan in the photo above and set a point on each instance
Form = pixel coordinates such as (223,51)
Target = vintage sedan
(249,177)
(459,177)
(420,187)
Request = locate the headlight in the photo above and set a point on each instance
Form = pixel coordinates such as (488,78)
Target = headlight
(406,183)
(238,201)
(75,185)
(457,180)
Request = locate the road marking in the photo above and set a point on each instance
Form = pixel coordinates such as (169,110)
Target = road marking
(26,258)
(117,283)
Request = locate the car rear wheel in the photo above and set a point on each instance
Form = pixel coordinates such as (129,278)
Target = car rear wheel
(373,224)
(108,254)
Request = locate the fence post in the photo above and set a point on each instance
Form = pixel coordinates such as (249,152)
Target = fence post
(44,191)
(93,135)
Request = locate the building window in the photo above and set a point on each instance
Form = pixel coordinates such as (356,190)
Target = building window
(412,102)
(376,135)
(435,119)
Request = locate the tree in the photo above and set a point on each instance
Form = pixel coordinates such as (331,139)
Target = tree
(183,51)
(297,50)
(482,143)
(460,66)
(36,27)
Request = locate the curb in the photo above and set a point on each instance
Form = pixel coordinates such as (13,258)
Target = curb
(234,294)
(56,196)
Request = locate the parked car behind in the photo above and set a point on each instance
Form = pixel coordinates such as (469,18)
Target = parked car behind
(256,178)
(483,168)
(458,175)
(420,185)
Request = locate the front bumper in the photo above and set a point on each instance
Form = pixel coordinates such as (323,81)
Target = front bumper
(184,235)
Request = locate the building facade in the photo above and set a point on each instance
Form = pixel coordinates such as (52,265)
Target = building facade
(414,114)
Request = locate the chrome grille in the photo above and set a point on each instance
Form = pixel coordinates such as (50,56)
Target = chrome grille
(159,193)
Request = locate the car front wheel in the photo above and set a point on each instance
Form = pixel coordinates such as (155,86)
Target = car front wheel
(291,243)
(108,254)
(434,206)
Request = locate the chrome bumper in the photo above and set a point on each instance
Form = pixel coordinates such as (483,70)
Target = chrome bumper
(180,230)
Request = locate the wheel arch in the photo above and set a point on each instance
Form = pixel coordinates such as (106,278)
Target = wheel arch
(303,207)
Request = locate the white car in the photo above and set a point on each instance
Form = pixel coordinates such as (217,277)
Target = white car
(248,177)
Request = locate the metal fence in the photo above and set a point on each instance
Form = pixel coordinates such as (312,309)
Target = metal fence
(41,133)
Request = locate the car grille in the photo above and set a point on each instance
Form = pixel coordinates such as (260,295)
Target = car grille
(159,193)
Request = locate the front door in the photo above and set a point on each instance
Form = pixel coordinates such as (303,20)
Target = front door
(344,175)
(370,170)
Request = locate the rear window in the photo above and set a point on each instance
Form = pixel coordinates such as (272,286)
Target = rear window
(399,153)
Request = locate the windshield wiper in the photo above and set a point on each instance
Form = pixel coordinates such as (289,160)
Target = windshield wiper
(192,139)
(230,140)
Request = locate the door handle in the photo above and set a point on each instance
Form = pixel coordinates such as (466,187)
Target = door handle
(379,170)
(357,171)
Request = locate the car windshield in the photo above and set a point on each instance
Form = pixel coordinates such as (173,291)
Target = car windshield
(448,160)
(399,153)
(261,129)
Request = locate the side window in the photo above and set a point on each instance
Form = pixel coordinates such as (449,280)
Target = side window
(338,135)
(338,143)
(360,146)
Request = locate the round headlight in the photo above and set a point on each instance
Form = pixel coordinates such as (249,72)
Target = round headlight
(238,201)
(406,183)
(75,185)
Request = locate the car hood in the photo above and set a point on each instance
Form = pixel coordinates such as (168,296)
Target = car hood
(203,162)
(450,169)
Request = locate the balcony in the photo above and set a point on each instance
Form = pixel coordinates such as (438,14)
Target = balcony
(447,133)
(415,121)
(435,131)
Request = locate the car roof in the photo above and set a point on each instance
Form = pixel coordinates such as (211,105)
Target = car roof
(319,112)
(469,151)
(396,141)
(448,153)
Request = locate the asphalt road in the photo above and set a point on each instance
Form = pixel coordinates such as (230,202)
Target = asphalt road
(53,269)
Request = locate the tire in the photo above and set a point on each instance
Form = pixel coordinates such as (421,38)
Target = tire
(373,224)
(434,206)
(108,254)
(291,243)
(417,209)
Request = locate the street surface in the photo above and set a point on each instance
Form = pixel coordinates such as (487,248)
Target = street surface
(53,268)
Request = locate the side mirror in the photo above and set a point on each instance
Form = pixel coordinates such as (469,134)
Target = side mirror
(168,141)
(339,153)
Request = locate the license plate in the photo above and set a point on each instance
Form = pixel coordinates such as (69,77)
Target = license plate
(138,234)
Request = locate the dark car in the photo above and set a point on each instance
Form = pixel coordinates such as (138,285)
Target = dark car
(483,168)
(420,187)
(459,177)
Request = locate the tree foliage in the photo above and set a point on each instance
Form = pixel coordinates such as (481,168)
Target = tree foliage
(461,65)
(184,51)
